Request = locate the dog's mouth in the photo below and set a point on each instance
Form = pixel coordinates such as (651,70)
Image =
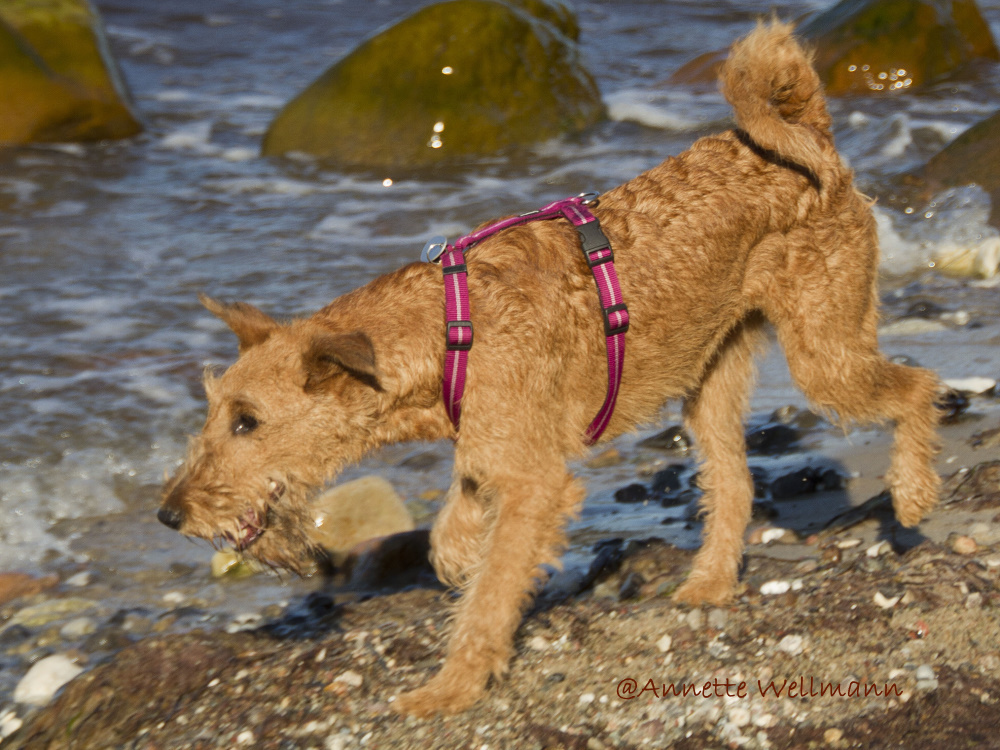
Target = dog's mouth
(253,523)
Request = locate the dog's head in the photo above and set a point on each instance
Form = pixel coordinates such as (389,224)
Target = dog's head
(299,403)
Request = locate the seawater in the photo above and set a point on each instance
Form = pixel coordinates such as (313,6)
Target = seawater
(103,248)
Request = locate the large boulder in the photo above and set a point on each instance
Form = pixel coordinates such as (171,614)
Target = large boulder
(880,46)
(58,82)
(973,157)
(453,80)
(886,45)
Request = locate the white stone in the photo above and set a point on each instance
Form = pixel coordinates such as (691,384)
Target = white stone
(44,679)
(772,588)
(771,535)
(885,602)
(538,643)
(9,723)
(78,627)
(878,549)
(792,644)
(79,580)
(974,385)
(587,698)
(664,644)
(848,543)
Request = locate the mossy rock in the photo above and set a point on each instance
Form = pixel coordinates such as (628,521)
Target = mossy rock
(57,78)
(880,46)
(454,80)
(887,45)
(973,157)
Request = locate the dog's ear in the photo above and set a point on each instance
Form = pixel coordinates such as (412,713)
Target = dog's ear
(250,325)
(331,353)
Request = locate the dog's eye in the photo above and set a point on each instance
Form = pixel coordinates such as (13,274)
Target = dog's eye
(244,424)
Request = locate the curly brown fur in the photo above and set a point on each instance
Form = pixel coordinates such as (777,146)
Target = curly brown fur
(758,224)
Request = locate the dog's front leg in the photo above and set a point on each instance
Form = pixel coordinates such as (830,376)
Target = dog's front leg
(528,514)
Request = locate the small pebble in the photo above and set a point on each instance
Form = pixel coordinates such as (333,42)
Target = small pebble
(974,600)
(173,597)
(792,644)
(695,619)
(79,580)
(78,627)
(717,619)
(926,679)
(586,699)
(974,385)
(350,678)
(740,716)
(538,643)
(664,644)
(878,549)
(9,723)
(831,736)
(849,543)
(964,545)
(885,602)
(245,737)
(773,588)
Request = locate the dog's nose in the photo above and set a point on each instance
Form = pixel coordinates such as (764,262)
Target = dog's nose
(170,517)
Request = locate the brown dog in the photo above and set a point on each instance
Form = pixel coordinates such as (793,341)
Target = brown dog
(758,223)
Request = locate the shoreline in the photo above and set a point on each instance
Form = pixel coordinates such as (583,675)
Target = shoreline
(862,603)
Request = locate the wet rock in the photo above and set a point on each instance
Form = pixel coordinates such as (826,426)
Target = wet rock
(354,512)
(633,493)
(233,564)
(793,416)
(882,46)
(54,63)
(50,611)
(771,439)
(923,308)
(804,481)
(667,480)
(13,634)
(977,386)
(78,627)
(44,679)
(952,405)
(391,562)
(673,439)
(456,79)
(973,157)
(631,586)
(15,585)
(763,510)
(106,639)
(422,461)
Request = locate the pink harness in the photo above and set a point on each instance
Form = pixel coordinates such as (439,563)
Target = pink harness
(600,258)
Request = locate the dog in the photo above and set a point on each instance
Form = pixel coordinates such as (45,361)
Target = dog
(760,224)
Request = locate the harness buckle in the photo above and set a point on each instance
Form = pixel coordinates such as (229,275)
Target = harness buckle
(589,198)
(621,327)
(434,249)
(458,346)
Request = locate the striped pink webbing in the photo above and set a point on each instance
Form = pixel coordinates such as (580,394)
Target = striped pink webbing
(600,258)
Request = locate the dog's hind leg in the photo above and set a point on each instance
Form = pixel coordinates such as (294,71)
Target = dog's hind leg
(826,319)
(714,413)
(528,515)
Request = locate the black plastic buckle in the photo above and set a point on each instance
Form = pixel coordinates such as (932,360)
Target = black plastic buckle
(614,331)
(457,268)
(459,347)
(593,239)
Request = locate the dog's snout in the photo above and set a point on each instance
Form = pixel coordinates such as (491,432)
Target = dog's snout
(170,517)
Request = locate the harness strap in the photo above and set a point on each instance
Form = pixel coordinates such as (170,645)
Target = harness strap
(600,258)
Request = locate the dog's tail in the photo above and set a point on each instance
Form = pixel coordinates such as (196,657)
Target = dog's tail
(778,100)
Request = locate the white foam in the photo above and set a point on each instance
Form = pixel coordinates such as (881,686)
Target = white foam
(193,137)
(631,105)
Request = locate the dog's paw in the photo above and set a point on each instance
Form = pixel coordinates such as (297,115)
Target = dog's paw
(700,591)
(439,696)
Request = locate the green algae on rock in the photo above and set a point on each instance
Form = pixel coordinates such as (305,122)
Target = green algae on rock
(880,46)
(454,80)
(873,46)
(57,77)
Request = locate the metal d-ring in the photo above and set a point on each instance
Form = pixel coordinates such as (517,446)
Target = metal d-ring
(589,198)
(434,249)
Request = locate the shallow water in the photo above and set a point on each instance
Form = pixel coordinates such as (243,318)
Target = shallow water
(103,249)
